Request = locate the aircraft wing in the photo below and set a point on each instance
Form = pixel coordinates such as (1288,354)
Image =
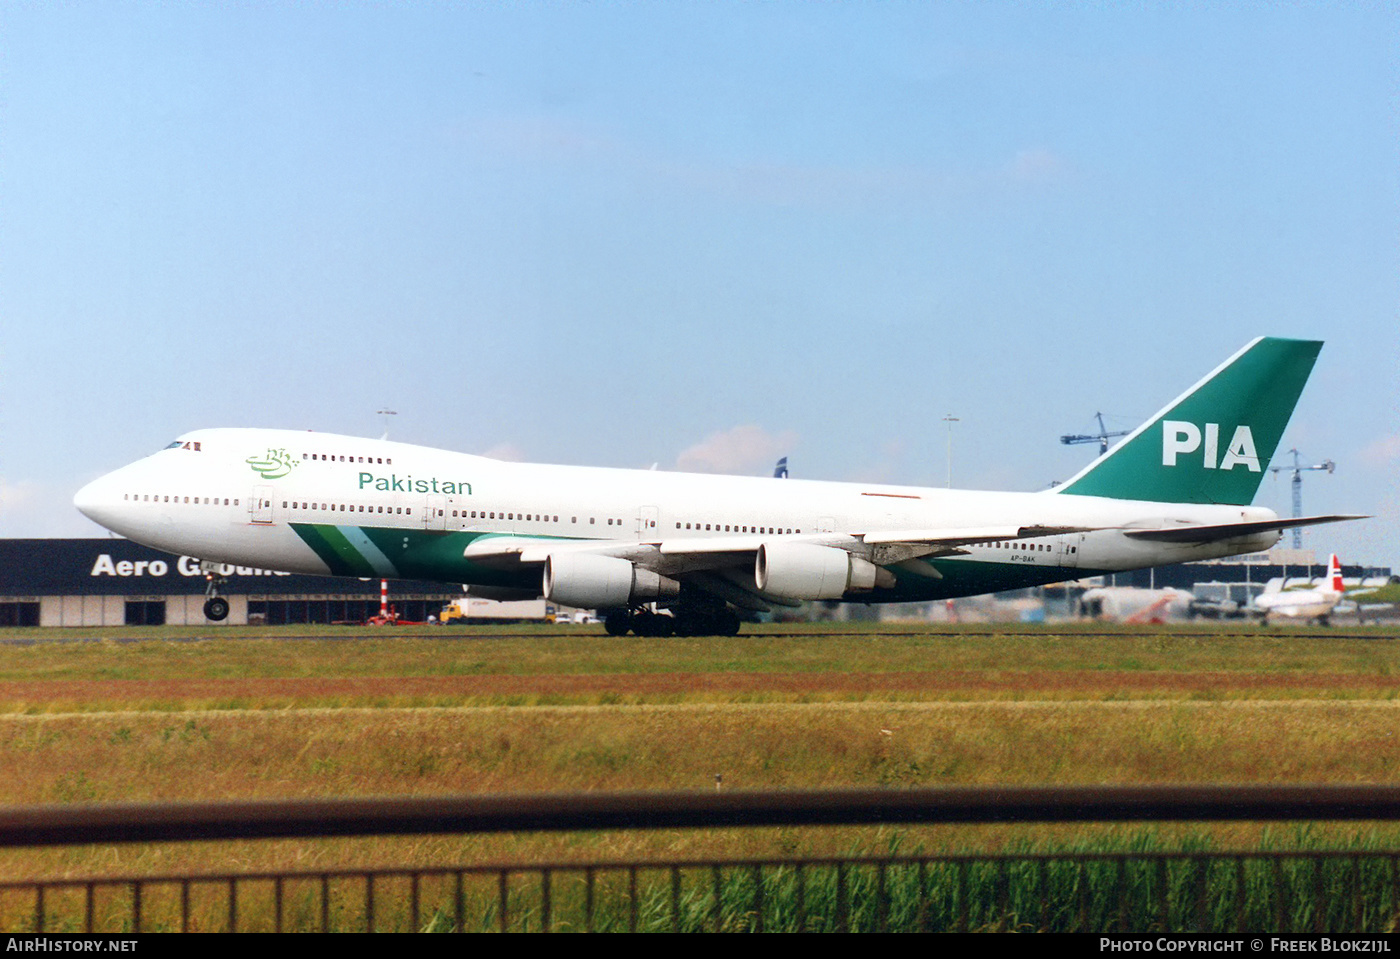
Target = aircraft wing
(723,565)
(940,538)
(654,553)
(1211,533)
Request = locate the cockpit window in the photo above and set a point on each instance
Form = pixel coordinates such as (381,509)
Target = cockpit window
(173,445)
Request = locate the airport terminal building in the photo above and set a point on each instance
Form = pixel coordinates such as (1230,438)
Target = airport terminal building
(115,582)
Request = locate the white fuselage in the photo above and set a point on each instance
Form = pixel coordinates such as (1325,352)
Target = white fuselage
(326,504)
(1299,604)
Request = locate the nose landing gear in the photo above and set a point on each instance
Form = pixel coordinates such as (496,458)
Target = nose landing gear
(215,606)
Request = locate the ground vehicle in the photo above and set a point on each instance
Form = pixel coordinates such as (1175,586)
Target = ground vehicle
(453,612)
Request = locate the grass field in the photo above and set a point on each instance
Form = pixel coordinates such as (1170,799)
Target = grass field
(254,713)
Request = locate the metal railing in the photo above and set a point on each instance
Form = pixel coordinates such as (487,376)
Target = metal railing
(1298,891)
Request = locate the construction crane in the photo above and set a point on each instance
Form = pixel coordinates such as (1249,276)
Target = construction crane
(1101,437)
(1298,469)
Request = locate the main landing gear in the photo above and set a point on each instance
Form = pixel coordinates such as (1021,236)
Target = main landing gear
(686,621)
(215,606)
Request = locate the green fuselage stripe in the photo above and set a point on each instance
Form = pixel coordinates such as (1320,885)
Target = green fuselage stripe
(337,552)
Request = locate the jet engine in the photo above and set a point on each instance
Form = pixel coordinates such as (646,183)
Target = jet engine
(603,582)
(806,571)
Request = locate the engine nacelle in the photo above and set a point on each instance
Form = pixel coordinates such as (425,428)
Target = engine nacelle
(602,582)
(807,571)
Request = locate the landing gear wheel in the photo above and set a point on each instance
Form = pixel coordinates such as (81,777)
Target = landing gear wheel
(653,624)
(706,622)
(618,622)
(215,606)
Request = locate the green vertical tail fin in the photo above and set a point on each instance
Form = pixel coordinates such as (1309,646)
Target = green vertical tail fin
(1213,443)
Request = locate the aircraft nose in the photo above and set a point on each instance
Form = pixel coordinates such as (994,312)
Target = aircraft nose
(96,500)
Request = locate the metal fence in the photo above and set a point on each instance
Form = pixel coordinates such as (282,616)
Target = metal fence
(1247,891)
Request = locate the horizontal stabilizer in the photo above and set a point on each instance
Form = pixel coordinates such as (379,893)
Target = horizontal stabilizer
(1209,534)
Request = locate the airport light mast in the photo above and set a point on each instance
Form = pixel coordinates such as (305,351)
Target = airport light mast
(950,419)
(1297,483)
(386,413)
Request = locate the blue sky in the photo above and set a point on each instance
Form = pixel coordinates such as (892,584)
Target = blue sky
(698,235)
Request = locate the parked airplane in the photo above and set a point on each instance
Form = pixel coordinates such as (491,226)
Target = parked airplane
(1131,604)
(1305,603)
(633,543)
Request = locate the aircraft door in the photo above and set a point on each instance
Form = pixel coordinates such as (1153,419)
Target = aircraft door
(647,517)
(1067,549)
(435,512)
(260,505)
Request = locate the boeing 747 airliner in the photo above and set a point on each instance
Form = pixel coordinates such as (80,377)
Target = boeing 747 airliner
(658,552)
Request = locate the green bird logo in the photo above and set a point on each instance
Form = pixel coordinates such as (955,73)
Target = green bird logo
(274,465)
